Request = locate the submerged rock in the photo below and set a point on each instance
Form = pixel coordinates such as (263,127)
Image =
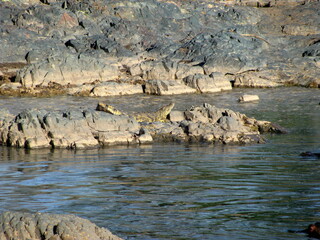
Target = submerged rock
(44,226)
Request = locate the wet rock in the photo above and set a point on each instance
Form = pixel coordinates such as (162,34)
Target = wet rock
(19,225)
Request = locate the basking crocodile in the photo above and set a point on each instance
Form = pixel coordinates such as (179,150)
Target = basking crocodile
(158,116)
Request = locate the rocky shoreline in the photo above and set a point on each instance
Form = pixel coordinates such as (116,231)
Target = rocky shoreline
(78,129)
(105,48)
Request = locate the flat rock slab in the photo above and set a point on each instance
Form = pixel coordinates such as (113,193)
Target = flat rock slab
(248,98)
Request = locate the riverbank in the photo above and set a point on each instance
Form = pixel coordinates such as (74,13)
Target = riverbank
(105,48)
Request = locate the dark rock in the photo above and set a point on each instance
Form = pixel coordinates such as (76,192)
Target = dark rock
(313,230)
(310,154)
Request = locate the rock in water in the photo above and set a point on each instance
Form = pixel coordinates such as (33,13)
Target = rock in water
(44,226)
(85,129)
(69,129)
(248,98)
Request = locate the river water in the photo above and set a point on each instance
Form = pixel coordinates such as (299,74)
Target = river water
(178,191)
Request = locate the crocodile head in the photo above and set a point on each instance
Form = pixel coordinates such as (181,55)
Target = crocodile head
(112,110)
(108,109)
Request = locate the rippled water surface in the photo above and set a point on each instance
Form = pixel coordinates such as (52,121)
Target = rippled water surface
(178,191)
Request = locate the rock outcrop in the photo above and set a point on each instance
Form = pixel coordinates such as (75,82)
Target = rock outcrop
(167,47)
(44,226)
(87,128)
(70,129)
(210,124)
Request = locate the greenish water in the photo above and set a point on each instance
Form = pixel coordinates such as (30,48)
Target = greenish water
(179,191)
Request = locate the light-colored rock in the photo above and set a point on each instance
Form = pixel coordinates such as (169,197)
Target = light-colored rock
(248,98)
(298,29)
(144,136)
(69,129)
(20,226)
(65,70)
(162,87)
(82,89)
(184,70)
(265,3)
(176,116)
(258,79)
(114,89)
(207,84)
(11,85)
(114,137)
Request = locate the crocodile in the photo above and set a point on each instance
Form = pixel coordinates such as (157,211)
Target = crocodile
(158,116)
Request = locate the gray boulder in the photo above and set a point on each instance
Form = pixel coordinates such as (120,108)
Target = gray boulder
(70,129)
(44,226)
(208,123)
(216,82)
(86,129)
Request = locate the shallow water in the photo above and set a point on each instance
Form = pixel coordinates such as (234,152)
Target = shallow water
(179,191)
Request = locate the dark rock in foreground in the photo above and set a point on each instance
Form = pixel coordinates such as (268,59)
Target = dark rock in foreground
(84,129)
(310,154)
(43,226)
